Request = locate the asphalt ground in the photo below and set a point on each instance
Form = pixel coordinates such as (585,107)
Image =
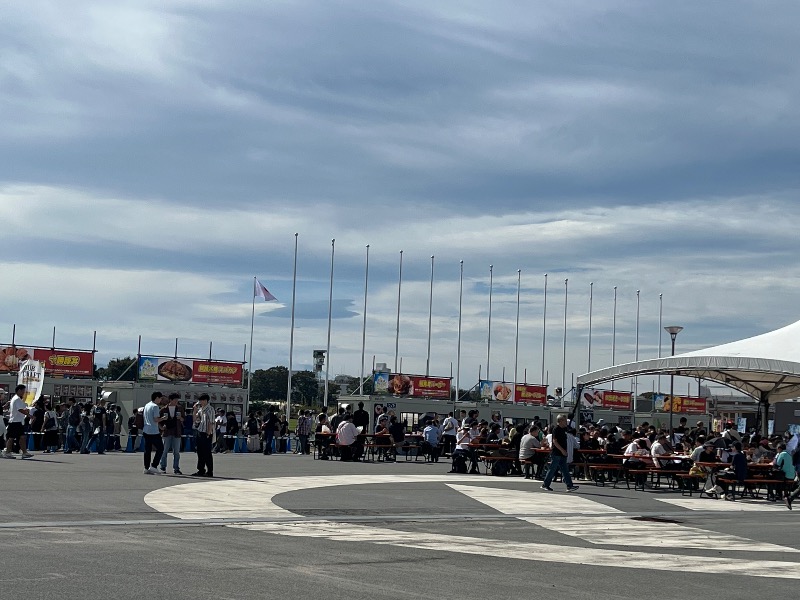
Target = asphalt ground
(95,527)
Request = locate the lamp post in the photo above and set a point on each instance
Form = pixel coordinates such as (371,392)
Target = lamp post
(673,331)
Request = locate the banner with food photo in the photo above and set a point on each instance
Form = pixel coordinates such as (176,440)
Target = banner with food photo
(31,375)
(608,399)
(11,357)
(154,368)
(398,384)
(679,404)
(498,391)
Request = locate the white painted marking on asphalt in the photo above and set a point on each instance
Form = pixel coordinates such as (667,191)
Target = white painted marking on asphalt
(709,504)
(532,551)
(610,531)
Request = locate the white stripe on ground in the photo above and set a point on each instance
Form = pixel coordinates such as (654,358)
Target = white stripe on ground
(709,504)
(532,551)
(611,531)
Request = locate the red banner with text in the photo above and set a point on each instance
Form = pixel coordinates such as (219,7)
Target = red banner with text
(531,394)
(65,362)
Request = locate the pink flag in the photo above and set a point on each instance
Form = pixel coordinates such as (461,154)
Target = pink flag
(262,292)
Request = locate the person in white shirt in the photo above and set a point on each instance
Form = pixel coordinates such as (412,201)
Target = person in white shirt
(346,436)
(17,411)
(152,433)
(527,449)
(449,430)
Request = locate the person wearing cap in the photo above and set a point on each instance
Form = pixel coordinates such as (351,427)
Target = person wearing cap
(203,418)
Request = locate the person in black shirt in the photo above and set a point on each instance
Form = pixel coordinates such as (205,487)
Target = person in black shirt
(99,414)
(558,456)
(361,418)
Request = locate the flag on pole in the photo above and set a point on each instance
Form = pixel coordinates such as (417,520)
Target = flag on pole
(262,292)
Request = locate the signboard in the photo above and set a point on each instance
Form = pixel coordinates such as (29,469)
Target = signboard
(65,362)
(397,384)
(31,375)
(500,391)
(155,368)
(56,362)
(606,399)
(679,404)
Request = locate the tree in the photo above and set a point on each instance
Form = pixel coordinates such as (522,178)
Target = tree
(269,385)
(122,369)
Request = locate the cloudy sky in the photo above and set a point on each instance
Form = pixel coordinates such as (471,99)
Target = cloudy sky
(155,156)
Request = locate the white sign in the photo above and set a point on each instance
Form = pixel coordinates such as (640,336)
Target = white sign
(31,375)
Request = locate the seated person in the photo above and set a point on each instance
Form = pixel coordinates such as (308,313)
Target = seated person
(736,472)
(463,450)
(383,438)
(527,451)
(784,467)
(431,436)
(322,437)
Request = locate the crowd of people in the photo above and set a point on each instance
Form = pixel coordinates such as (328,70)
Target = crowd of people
(534,450)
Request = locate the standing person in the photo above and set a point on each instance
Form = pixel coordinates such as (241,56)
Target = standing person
(231,430)
(15,432)
(303,431)
(117,423)
(221,428)
(251,427)
(268,429)
(152,435)
(86,427)
(204,426)
(361,418)
(50,429)
(99,414)
(171,432)
(2,420)
(283,434)
(449,430)
(558,456)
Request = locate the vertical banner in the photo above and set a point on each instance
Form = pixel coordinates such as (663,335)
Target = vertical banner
(31,375)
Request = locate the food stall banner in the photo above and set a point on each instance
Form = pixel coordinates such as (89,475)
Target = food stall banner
(65,362)
(607,399)
(156,368)
(680,404)
(398,384)
(31,375)
(500,391)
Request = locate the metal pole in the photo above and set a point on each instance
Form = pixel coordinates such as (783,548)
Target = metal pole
(250,361)
(53,347)
(291,335)
(489,335)
(364,325)
(564,357)
(660,331)
(544,328)
(430,323)
(636,355)
(328,347)
(591,301)
(516,337)
(671,388)
(614,335)
(458,349)
(397,328)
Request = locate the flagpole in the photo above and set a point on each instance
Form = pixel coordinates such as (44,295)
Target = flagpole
(489,336)
(564,357)
(397,328)
(364,325)
(614,335)
(291,336)
(591,301)
(544,325)
(636,357)
(250,360)
(328,347)
(660,330)
(516,337)
(458,351)
(430,323)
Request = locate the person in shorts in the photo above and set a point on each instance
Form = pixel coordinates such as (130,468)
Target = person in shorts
(17,411)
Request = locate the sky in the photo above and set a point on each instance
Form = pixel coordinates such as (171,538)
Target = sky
(156,156)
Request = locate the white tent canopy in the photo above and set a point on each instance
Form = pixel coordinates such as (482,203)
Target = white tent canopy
(766,367)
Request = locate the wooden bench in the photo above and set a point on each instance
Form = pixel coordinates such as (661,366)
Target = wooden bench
(596,471)
(377,450)
(488,460)
(752,485)
(688,478)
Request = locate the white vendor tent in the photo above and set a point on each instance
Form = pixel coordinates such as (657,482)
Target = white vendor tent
(765,367)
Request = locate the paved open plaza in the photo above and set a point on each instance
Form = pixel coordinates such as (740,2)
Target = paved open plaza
(290,526)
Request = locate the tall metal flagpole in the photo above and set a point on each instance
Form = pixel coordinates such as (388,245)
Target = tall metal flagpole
(614,334)
(591,301)
(328,347)
(430,323)
(489,336)
(636,355)
(397,329)
(364,325)
(458,350)
(660,330)
(291,335)
(564,357)
(250,360)
(516,337)
(544,328)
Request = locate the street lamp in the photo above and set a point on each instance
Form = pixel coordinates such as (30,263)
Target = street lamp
(673,331)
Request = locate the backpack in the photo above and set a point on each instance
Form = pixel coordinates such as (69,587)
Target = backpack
(459,463)
(500,468)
